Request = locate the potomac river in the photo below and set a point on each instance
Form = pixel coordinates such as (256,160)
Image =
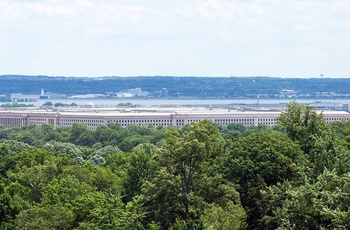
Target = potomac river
(186,102)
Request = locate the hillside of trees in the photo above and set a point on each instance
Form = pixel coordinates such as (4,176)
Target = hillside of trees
(200,87)
(292,176)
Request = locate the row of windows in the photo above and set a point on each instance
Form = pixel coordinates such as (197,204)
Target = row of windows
(233,120)
(180,122)
(336,119)
(37,119)
(236,122)
(267,119)
(155,124)
(65,124)
(266,123)
(137,121)
(11,122)
(193,120)
(37,122)
(81,120)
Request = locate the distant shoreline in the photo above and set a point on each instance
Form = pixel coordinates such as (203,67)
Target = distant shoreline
(186,102)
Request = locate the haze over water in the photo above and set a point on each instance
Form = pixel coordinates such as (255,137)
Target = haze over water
(181,102)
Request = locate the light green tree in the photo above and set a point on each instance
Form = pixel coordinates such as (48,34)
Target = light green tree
(302,123)
(45,217)
(320,204)
(68,148)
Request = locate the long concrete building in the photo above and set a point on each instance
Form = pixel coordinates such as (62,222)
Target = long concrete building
(166,117)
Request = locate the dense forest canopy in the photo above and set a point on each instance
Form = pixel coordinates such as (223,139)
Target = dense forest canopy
(204,176)
(178,86)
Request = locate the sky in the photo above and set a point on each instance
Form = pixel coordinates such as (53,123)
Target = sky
(277,38)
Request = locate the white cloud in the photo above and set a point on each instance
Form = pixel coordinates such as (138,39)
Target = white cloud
(120,13)
(26,10)
(198,37)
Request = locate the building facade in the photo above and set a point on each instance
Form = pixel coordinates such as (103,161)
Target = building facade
(166,117)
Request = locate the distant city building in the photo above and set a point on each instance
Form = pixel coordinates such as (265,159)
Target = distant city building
(23,97)
(125,95)
(55,95)
(87,96)
(345,107)
(137,92)
(164,92)
(28,97)
(326,94)
(288,93)
(110,94)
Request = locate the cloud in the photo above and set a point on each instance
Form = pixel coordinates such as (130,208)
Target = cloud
(220,36)
(19,11)
(120,13)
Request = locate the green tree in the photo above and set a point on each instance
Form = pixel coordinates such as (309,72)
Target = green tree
(107,151)
(86,138)
(64,190)
(302,123)
(8,208)
(48,103)
(142,166)
(228,217)
(175,196)
(97,160)
(77,130)
(35,169)
(341,128)
(102,178)
(108,212)
(5,132)
(320,204)
(131,141)
(16,146)
(329,154)
(259,160)
(70,149)
(59,104)
(45,217)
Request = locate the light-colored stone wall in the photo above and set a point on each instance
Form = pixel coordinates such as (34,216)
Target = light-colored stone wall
(166,118)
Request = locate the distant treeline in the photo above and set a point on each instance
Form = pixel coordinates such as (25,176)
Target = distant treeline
(202,87)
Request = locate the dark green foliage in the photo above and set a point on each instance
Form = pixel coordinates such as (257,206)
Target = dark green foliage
(141,168)
(48,103)
(257,161)
(15,104)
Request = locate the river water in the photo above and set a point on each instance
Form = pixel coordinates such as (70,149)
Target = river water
(185,102)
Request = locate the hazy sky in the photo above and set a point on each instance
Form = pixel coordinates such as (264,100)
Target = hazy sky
(280,38)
